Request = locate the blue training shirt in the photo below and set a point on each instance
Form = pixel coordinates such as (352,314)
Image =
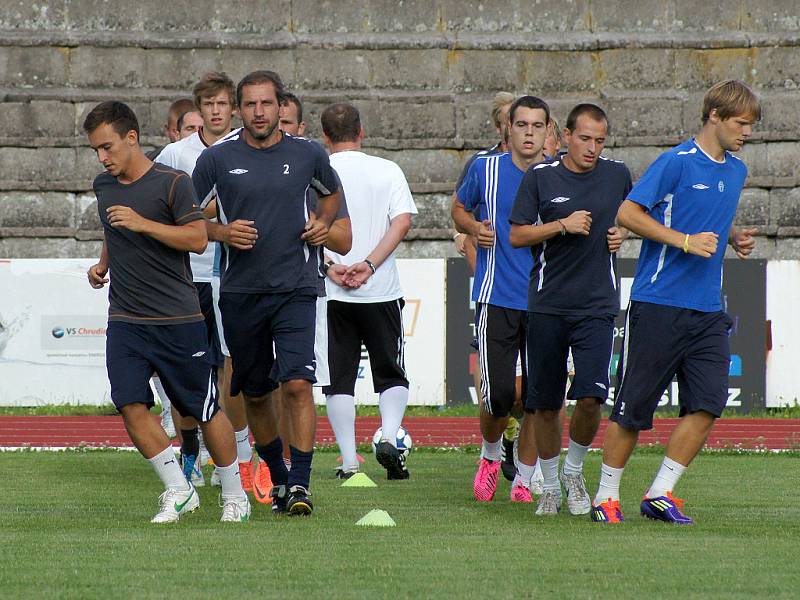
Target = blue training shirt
(501,272)
(267,186)
(688,191)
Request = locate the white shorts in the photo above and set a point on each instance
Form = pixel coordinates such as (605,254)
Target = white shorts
(323,373)
(218,315)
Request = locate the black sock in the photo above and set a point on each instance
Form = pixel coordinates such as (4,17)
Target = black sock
(301,467)
(190,444)
(272,454)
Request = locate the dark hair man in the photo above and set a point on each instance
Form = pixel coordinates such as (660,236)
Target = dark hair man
(676,325)
(269,272)
(151,222)
(566,210)
(365,300)
(499,287)
(188,123)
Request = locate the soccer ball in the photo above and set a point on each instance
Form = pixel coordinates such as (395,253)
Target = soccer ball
(404,442)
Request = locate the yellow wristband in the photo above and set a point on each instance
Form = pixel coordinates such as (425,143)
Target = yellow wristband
(686,244)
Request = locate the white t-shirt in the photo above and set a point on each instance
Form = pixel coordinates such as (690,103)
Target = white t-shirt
(377,192)
(183,155)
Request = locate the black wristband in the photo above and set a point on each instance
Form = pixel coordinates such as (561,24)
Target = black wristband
(371,265)
(325,267)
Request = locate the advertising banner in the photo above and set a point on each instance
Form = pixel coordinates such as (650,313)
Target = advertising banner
(783,355)
(52,334)
(744,298)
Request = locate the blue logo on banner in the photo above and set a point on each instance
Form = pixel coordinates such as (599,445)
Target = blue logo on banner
(58,332)
(736,366)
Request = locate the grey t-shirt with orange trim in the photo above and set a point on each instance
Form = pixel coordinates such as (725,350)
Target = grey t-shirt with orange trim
(151,283)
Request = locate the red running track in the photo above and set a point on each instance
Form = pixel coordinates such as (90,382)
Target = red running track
(69,432)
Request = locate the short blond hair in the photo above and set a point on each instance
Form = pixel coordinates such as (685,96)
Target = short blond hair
(556,130)
(499,102)
(731,98)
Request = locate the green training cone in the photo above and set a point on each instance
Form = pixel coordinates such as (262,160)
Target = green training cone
(376,518)
(359,480)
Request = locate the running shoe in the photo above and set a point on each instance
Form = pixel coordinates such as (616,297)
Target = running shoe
(167,423)
(391,459)
(246,473)
(278,497)
(519,493)
(262,483)
(484,485)
(607,512)
(549,503)
(665,508)
(298,502)
(191,470)
(537,484)
(174,503)
(345,473)
(578,500)
(235,509)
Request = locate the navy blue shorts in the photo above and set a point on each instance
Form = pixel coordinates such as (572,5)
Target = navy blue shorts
(550,338)
(664,341)
(177,353)
(206,297)
(269,330)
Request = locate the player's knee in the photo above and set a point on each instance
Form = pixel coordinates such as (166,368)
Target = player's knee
(296,390)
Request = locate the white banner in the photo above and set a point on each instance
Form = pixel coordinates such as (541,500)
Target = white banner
(52,334)
(53,331)
(423,282)
(783,298)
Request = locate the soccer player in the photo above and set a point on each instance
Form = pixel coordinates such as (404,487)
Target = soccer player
(566,211)
(269,272)
(214,98)
(553,141)
(176,109)
(150,223)
(365,300)
(500,287)
(340,240)
(189,122)
(675,325)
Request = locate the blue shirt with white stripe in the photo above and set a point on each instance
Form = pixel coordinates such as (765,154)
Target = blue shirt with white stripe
(501,272)
(688,191)
(573,274)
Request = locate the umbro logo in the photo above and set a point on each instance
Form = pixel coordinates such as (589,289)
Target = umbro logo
(700,186)
(559,200)
(310,368)
(237,171)
(600,385)
(198,354)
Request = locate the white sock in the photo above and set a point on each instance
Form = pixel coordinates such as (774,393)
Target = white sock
(666,479)
(609,484)
(550,472)
(537,472)
(525,473)
(573,464)
(342,415)
(230,480)
(244,451)
(168,469)
(392,404)
(492,450)
(162,394)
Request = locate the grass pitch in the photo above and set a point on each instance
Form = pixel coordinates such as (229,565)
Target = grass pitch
(76,525)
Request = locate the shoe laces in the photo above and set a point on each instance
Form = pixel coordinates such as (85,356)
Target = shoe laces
(231,507)
(576,481)
(167,498)
(679,502)
(550,500)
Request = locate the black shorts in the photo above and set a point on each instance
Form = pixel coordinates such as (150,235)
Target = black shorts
(379,326)
(664,341)
(550,338)
(177,353)
(501,340)
(265,331)
(206,297)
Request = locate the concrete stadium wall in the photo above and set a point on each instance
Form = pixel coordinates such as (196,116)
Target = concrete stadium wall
(421,72)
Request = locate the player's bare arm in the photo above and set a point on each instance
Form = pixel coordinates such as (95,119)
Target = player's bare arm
(616,235)
(97,272)
(742,241)
(465,222)
(318,226)
(191,237)
(634,217)
(239,234)
(357,274)
(578,223)
(340,236)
